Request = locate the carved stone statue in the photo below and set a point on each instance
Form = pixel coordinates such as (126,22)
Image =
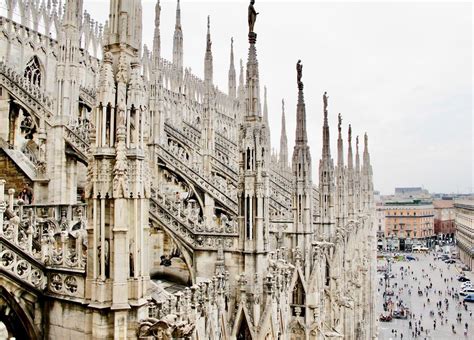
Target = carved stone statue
(339,117)
(299,71)
(325,100)
(252,15)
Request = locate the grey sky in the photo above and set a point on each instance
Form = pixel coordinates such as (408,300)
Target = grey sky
(400,71)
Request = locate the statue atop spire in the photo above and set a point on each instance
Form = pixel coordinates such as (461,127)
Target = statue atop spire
(301,135)
(339,117)
(157,13)
(325,101)
(299,73)
(252,16)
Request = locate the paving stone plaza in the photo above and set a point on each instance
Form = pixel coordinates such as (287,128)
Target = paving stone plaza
(419,275)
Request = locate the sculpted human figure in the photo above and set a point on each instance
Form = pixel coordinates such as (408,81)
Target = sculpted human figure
(252,15)
(299,71)
(325,100)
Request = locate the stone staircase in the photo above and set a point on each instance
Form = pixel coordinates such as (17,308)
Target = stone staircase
(39,104)
(183,221)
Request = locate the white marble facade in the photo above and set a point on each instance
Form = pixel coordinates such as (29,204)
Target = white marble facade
(158,209)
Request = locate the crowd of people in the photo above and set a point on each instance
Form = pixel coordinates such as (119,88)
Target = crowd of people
(433,308)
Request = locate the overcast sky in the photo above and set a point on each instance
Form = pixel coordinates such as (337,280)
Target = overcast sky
(402,72)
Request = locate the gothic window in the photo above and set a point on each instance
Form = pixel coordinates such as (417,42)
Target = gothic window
(299,208)
(298,298)
(247,217)
(248,159)
(33,71)
(244,331)
(327,273)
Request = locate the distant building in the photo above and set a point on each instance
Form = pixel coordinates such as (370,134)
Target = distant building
(412,192)
(409,223)
(380,225)
(464,219)
(444,225)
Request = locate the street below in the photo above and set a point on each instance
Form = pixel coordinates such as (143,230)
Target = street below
(426,290)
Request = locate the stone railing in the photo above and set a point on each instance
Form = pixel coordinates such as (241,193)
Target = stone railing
(183,220)
(78,137)
(190,136)
(186,166)
(88,95)
(26,92)
(44,245)
(192,133)
(21,267)
(172,316)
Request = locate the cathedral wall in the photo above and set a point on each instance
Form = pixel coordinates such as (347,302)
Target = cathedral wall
(4,110)
(65,320)
(204,262)
(14,176)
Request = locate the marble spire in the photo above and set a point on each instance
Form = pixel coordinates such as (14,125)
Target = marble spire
(301,166)
(350,162)
(241,81)
(327,188)
(253,83)
(357,158)
(326,143)
(208,67)
(340,150)
(301,134)
(232,81)
(283,139)
(178,40)
(157,36)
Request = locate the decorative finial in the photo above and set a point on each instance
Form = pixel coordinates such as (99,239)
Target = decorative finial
(357,142)
(350,133)
(232,43)
(283,105)
(208,23)
(339,117)
(366,140)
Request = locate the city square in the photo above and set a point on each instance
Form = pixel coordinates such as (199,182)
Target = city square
(428,275)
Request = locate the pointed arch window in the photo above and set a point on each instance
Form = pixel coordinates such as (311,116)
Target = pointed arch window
(298,299)
(33,71)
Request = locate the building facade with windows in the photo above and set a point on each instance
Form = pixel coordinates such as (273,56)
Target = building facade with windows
(409,223)
(464,221)
(380,225)
(444,225)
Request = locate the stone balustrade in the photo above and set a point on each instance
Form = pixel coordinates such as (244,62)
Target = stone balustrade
(183,220)
(185,164)
(176,315)
(44,245)
(26,92)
